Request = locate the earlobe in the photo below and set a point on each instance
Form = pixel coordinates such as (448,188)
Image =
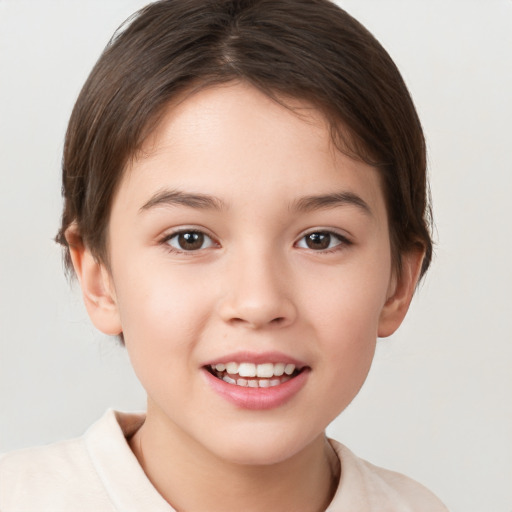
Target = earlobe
(402,291)
(96,284)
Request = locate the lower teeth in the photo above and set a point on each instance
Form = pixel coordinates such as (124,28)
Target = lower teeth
(253,383)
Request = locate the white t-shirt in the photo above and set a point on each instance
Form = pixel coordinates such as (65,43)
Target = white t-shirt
(99,473)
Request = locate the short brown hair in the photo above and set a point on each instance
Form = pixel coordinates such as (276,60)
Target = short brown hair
(305,49)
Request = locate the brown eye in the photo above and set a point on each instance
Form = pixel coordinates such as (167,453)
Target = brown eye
(189,241)
(321,241)
(318,241)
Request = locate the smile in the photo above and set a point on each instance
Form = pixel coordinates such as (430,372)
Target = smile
(256,381)
(253,375)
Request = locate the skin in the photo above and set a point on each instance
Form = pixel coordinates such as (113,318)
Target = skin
(254,285)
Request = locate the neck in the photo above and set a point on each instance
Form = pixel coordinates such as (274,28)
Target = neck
(190,477)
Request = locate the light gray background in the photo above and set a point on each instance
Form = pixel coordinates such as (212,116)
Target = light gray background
(437,405)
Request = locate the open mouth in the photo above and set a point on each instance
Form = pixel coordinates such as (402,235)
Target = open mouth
(252,375)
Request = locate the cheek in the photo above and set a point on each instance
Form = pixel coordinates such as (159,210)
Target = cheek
(349,324)
(346,347)
(345,314)
(349,300)
(161,316)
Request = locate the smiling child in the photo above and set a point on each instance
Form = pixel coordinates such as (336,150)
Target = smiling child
(246,208)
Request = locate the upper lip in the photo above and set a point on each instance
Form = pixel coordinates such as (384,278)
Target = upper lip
(256,358)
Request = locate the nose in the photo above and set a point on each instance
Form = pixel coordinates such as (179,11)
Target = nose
(257,293)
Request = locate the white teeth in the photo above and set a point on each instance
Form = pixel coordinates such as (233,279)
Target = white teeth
(279,369)
(268,374)
(256,383)
(247,370)
(289,369)
(232,368)
(265,370)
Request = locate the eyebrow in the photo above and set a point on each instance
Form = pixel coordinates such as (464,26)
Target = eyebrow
(208,202)
(177,197)
(327,201)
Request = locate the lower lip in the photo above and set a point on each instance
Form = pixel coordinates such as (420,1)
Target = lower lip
(258,398)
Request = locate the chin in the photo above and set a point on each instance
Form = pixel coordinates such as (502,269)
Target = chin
(261,447)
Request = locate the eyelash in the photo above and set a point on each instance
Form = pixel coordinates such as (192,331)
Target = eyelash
(175,235)
(342,241)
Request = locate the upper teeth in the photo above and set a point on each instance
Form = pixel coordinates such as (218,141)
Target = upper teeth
(265,370)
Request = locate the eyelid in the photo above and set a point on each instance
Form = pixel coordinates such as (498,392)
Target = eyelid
(344,240)
(169,235)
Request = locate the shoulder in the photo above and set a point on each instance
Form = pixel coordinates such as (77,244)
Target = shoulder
(369,488)
(46,478)
(57,476)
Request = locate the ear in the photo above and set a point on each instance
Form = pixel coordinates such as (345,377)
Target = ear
(96,284)
(401,292)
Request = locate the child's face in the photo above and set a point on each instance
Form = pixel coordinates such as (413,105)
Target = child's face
(284,256)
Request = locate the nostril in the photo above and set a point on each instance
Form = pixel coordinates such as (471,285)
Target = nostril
(278,321)
(241,322)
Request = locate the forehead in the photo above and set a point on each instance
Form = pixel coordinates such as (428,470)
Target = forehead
(199,113)
(233,141)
